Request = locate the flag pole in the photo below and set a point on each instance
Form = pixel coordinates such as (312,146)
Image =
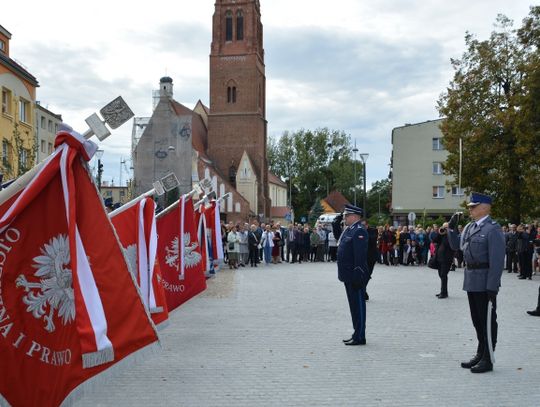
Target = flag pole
(169,208)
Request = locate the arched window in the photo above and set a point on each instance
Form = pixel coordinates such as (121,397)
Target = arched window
(231,94)
(239,25)
(228,26)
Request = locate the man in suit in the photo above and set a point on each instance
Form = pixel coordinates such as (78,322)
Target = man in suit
(483,245)
(291,244)
(353,268)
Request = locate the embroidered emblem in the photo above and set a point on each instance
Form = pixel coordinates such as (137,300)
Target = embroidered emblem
(54,291)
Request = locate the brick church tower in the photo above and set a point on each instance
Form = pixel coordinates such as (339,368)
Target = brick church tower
(237,119)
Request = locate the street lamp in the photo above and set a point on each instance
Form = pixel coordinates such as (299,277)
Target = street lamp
(355,150)
(364,158)
(329,145)
(99,154)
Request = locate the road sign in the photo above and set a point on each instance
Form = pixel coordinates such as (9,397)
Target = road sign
(411,216)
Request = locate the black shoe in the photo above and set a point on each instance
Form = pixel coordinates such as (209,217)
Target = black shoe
(483,366)
(467,365)
(348,340)
(356,343)
(438,295)
(522,277)
(535,313)
(441,296)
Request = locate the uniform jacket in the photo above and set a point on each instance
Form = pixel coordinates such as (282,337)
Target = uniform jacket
(485,245)
(352,255)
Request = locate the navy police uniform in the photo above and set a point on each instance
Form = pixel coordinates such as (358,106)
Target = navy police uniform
(353,271)
(483,247)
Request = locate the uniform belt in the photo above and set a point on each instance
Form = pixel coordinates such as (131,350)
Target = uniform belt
(476,266)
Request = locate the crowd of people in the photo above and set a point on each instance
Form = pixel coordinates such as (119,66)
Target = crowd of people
(252,244)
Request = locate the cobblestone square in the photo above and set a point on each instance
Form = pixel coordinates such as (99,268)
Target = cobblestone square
(271,336)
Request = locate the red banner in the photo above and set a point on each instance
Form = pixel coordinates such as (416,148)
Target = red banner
(179,254)
(69,308)
(136,228)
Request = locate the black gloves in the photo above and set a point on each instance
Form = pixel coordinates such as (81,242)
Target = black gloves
(454,220)
(492,295)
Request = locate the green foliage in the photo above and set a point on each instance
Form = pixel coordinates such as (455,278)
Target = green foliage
(316,163)
(316,211)
(493,105)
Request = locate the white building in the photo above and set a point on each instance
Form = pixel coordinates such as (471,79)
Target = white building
(46,128)
(418,182)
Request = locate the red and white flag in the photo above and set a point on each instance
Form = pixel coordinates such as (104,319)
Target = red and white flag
(179,254)
(69,308)
(135,224)
(213,225)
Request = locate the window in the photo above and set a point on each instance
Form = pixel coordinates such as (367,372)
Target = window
(5,153)
(49,148)
(2,46)
(239,25)
(55,128)
(23,158)
(43,146)
(24,110)
(437,168)
(438,143)
(50,127)
(457,191)
(6,101)
(228,26)
(231,94)
(438,192)
(43,122)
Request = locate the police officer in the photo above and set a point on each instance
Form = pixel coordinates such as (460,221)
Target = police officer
(353,269)
(483,245)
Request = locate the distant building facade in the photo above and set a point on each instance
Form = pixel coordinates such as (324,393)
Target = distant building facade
(47,124)
(17,118)
(418,182)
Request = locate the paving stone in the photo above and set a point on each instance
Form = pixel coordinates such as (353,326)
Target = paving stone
(271,336)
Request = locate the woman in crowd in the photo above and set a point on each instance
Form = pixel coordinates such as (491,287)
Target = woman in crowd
(332,246)
(267,242)
(444,256)
(244,248)
(307,243)
(276,254)
(233,247)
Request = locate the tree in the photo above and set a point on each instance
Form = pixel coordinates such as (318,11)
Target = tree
(312,163)
(316,211)
(379,196)
(489,105)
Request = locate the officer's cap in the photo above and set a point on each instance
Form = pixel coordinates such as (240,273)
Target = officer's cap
(353,209)
(478,198)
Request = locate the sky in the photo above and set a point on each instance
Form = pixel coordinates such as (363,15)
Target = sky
(363,67)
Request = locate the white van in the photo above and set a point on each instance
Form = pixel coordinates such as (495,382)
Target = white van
(327,218)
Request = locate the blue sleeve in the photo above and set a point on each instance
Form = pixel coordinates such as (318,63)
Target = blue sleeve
(496,249)
(360,246)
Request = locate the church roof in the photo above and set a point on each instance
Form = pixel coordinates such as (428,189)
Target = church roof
(274,179)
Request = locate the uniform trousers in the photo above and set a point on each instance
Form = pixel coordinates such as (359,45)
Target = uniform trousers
(478,304)
(357,305)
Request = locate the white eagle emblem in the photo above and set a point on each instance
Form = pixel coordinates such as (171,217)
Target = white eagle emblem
(131,257)
(191,257)
(55,284)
